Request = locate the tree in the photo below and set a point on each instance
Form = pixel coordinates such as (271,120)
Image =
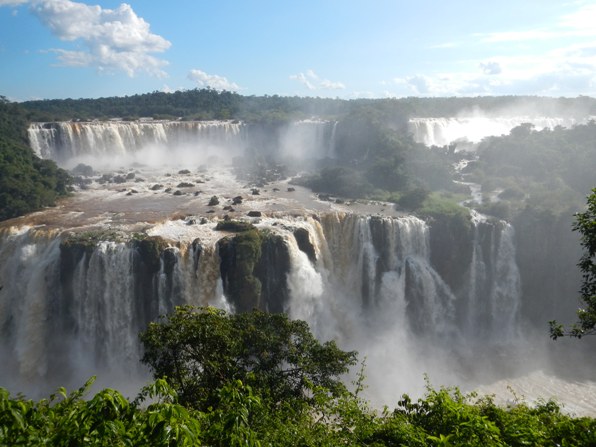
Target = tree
(585,223)
(27,183)
(201,350)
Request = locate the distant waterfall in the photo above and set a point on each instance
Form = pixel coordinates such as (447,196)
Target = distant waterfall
(444,131)
(102,140)
(64,140)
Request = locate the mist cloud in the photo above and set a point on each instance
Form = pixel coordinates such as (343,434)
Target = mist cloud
(114,40)
(214,81)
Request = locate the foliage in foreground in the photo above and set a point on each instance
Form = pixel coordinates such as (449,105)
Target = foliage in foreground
(444,417)
(201,350)
(318,413)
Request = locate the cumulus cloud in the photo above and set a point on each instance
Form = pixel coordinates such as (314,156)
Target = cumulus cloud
(214,81)
(313,82)
(113,39)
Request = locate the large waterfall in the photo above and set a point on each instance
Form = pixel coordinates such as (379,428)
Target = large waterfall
(69,309)
(79,282)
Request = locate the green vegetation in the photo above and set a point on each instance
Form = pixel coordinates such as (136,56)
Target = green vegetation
(201,350)
(107,419)
(263,380)
(444,205)
(585,224)
(377,159)
(150,249)
(27,183)
(206,104)
(90,239)
(548,169)
(234,226)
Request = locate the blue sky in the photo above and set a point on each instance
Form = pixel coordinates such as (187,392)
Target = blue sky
(326,48)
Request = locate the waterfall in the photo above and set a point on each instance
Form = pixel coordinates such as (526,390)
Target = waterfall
(493,290)
(69,310)
(444,131)
(145,142)
(63,141)
(307,139)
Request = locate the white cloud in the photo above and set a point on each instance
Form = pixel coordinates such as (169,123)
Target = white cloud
(579,23)
(214,81)
(421,84)
(559,72)
(558,61)
(582,20)
(114,39)
(313,82)
(490,68)
(303,79)
(330,85)
(12,2)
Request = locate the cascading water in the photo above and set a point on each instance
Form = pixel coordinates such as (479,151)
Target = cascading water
(444,131)
(66,140)
(412,297)
(146,142)
(368,281)
(492,273)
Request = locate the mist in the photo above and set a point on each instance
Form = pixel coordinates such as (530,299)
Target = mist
(460,299)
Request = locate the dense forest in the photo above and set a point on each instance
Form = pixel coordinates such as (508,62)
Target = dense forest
(27,183)
(212,104)
(545,170)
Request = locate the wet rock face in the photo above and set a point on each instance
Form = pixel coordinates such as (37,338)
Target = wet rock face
(150,250)
(451,248)
(272,271)
(304,243)
(547,254)
(253,268)
(239,256)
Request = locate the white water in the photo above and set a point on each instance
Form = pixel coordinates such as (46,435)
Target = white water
(444,131)
(372,286)
(162,143)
